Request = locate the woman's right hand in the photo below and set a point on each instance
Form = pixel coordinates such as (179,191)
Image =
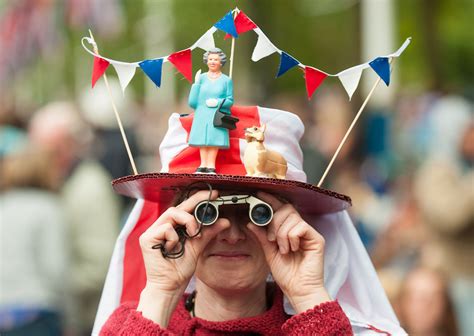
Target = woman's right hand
(167,278)
(168,274)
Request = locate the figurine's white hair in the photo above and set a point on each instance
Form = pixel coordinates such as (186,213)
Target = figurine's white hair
(217,51)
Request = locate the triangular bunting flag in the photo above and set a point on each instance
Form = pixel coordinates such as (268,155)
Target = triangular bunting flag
(125,73)
(350,80)
(100,65)
(242,24)
(313,78)
(227,25)
(286,63)
(263,48)
(206,41)
(182,61)
(152,68)
(382,68)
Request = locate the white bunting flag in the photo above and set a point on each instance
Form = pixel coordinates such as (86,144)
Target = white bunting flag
(263,48)
(401,49)
(125,73)
(206,41)
(350,79)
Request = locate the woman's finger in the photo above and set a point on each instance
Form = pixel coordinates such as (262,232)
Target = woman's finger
(189,204)
(279,218)
(269,247)
(159,235)
(274,202)
(292,220)
(176,216)
(295,234)
(306,237)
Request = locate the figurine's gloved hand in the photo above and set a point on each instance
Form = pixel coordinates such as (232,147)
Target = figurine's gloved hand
(197,76)
(212,102)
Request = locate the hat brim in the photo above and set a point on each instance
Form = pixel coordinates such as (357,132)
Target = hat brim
(162,188)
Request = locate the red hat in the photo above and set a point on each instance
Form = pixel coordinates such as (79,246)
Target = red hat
(179,162)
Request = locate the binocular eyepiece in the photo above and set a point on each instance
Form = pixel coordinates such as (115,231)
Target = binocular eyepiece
(260,213)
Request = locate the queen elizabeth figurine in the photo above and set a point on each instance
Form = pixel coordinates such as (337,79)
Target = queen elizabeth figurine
(209,90)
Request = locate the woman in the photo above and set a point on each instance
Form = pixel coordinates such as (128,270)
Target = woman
(231,261)
(207,94)
(426,307)
(33,252)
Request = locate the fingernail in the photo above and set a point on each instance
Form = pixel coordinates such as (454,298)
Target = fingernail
(271,236)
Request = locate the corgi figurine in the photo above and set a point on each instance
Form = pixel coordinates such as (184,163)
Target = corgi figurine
(258,160)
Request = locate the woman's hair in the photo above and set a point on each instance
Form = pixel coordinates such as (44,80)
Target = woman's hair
(217,51)
(28,168)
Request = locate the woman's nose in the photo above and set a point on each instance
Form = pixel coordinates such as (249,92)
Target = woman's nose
(232,235)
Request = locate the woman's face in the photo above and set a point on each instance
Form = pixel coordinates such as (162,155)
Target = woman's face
(214,62)
(234,259)
(423,303)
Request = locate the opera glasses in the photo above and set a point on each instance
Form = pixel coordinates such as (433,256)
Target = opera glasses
(260,213)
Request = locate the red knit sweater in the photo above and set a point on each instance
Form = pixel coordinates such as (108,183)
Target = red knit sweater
(324,319)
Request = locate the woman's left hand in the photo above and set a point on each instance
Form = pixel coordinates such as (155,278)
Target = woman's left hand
(295,253)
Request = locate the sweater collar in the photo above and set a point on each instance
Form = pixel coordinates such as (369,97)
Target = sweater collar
(268,323)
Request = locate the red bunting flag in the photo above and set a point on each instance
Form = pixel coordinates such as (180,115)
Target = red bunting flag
(182,61)
(313,78)
(100,65)
(242,24)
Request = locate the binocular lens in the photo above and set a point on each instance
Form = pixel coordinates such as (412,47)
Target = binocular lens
(206,215)
(261,214)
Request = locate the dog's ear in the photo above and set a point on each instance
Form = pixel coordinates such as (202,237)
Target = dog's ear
(260,135)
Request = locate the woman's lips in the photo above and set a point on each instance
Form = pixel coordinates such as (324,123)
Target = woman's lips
(230,255)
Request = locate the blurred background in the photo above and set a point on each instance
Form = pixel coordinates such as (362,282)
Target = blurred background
(408,166)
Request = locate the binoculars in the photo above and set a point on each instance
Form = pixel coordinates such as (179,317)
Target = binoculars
(260,213)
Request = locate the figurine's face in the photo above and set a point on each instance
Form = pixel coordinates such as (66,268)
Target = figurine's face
(214,62)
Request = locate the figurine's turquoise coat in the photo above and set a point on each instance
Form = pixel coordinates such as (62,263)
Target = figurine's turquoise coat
(203,132)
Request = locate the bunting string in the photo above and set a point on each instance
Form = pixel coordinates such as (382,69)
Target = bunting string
(233,27)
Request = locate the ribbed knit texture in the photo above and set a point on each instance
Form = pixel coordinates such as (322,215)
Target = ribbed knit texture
(325,319)
(328,318)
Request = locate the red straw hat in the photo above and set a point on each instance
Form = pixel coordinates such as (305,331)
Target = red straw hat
(179,161)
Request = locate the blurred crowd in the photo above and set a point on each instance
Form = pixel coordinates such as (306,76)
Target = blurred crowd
(410,173)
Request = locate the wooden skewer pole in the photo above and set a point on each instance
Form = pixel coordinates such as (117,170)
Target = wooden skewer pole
(350,129)
(117,116)
(236,11)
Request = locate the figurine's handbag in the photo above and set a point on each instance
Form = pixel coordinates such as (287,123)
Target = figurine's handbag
(224,120)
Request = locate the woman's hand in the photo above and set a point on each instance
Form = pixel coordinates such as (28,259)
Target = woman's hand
(167,278)
(295,254)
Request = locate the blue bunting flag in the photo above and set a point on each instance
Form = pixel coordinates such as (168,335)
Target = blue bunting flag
(227,25)
(286,63)
(382,67)
(152,68)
